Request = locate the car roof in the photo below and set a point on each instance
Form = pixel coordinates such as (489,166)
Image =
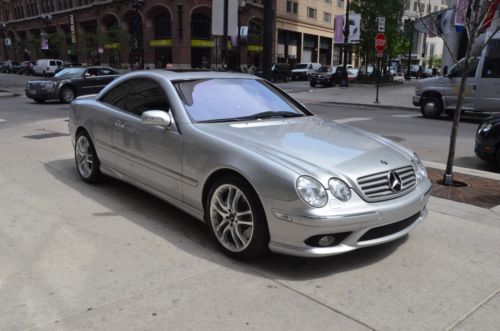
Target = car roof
(198,74)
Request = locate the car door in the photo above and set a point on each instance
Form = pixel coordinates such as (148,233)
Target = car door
(90,82)
(106,75)
(150,155)
(488,86)
(451,88)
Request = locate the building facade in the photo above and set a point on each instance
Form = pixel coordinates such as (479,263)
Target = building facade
(425,48)
(152,33)
(304,31)
(122,33)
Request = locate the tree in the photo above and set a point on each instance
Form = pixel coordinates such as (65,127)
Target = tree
(392,10)
(477,19)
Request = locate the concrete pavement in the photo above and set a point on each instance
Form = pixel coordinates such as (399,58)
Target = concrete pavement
(111,257)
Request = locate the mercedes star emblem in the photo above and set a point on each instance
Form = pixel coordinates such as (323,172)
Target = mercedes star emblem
(395,182)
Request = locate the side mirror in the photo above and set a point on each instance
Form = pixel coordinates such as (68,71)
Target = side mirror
(156,118)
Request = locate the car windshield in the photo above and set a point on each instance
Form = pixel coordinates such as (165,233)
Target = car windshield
(231,99)
(301,66)
(70,73)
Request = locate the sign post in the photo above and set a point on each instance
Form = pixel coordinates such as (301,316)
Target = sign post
(380,45)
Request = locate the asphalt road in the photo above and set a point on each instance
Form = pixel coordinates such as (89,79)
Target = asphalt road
(429,138)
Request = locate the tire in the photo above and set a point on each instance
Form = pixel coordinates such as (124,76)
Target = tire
(497,157)
(431,107)
(67,94)
(286,79)
(312,83)
(39,100)
(243,236)
(86,160)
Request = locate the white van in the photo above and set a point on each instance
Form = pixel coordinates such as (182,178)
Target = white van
(305,70)
(47,67)
(438,94)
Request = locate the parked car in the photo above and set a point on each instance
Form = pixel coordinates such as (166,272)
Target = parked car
(352,74)
(331,77)
(488,140)
(26,68)
(251,162)
(11,67)
(3,67)
(427,73)
(47,67)
(438,94)
(304,71)
(70,83)
(279,72)
(416,70)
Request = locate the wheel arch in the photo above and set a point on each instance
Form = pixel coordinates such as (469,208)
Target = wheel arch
(434,94)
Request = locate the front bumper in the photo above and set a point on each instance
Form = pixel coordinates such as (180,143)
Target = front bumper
(484,151)
(388,220)
(36,92)
(417,100)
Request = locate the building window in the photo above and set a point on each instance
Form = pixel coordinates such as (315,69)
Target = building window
(311,12)
(415,6)
(328,1)
(407,5)
(340,3)
(327,17)
(292,7)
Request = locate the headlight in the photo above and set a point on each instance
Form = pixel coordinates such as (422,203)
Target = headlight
(48,85)
(420,171)
(339,189)
(311,191)
(485,127)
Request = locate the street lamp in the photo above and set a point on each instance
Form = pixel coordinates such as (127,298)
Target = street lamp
(46,19)
(241,8)
(408,74)
(137,5)
(3,29)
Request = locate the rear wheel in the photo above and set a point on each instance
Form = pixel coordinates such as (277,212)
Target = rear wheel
(431,107)
(87,162)
(312,83)
(39,100)
(236,218)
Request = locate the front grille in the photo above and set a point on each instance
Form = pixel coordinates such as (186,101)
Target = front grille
(387,230)
(376,187)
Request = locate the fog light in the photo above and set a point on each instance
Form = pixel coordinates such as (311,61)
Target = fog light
(326,241)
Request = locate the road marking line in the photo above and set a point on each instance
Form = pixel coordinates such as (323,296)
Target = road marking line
(406,115)
(352,119)
(2,120)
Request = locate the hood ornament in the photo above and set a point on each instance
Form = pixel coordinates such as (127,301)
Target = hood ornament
(395,182)
(384,162)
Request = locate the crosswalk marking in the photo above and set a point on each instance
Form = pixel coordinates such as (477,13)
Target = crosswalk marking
(352,119)
(406,115)
(2,120)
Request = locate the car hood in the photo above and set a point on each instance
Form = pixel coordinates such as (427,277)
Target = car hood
(310,145)
(53,80)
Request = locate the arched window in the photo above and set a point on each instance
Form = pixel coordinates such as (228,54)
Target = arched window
(162,26)
(200,26)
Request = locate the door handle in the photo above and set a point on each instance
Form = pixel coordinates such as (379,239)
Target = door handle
(119,124)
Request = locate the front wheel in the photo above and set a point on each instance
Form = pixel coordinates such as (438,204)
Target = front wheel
(312,83)
(67,95)
(39,100)
(236,219)
(87,162)
(431,107)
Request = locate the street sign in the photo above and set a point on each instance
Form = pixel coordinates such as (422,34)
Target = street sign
(380,42)
(381,24)
(218,17)
(8,42)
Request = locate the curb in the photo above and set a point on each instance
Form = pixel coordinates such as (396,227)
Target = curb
(467,171)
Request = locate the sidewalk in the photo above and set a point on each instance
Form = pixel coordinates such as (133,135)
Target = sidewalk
(397,96)
(111,257)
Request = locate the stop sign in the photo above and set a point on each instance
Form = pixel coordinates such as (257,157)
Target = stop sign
(380,42)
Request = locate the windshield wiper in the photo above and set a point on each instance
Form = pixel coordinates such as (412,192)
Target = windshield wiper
(269,114)
(261,115)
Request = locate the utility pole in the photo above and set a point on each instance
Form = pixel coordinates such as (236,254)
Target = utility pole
(267,55)
(224,39)
(346,42)
(408,75)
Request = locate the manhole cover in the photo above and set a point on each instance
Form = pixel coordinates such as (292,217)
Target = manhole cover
(47,135)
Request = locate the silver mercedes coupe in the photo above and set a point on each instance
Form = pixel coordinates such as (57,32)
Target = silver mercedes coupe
(255,165)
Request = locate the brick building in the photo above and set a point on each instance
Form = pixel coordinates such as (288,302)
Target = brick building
(156,32)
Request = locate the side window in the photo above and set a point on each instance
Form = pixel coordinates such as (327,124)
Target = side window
(459,68)
(52,63)
(117,96)
(92,72)
(59,63)
(146,95)
(491,68)
(106,72)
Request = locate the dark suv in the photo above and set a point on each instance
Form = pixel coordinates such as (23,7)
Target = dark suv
(279,72)
(328,76)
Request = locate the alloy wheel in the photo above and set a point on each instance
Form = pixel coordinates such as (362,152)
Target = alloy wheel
(84,156)
(231,217)
(68,95)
